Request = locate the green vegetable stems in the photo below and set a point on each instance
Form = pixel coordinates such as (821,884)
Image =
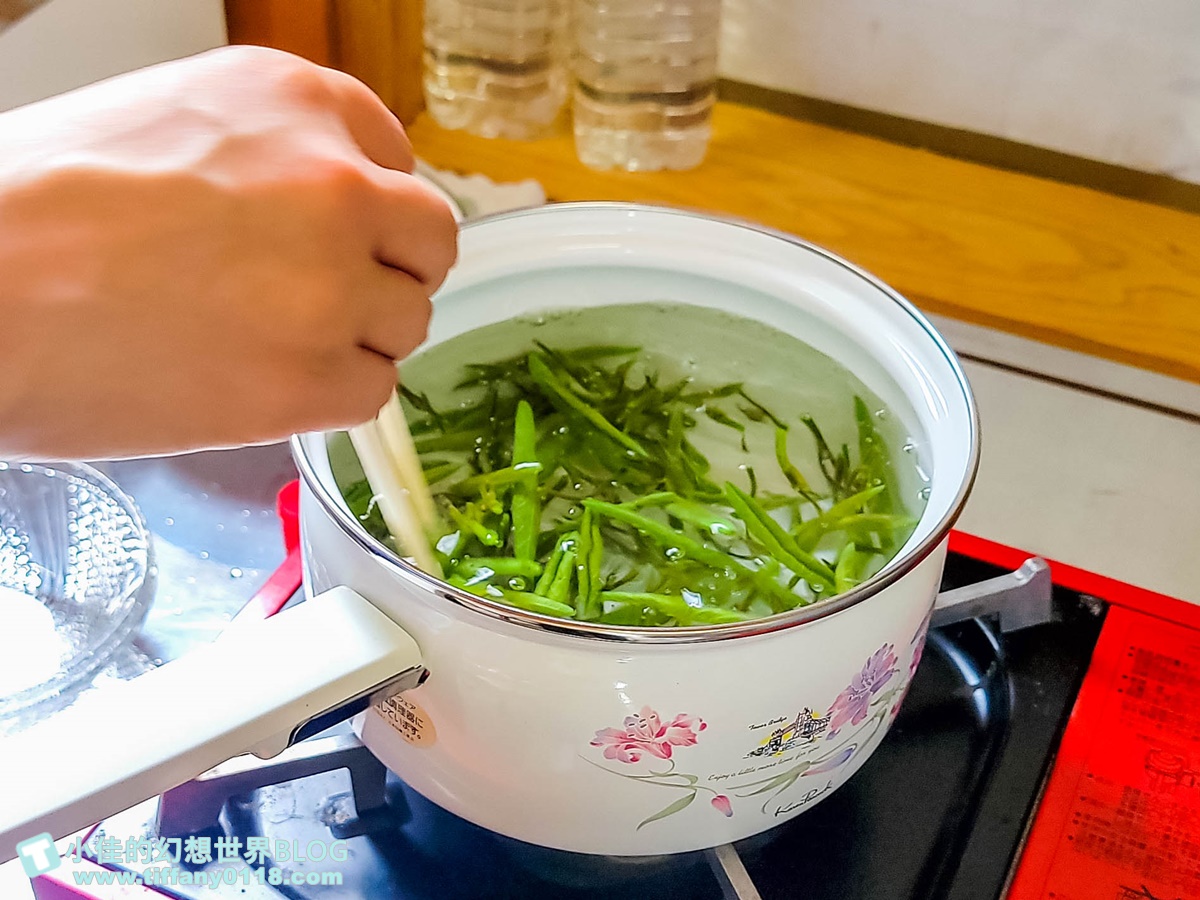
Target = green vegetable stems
(572,486)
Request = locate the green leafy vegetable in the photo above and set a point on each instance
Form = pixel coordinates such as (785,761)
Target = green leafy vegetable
(526,509)
(876,461)
(573,485)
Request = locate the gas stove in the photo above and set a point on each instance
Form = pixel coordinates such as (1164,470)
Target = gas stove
(1055,761)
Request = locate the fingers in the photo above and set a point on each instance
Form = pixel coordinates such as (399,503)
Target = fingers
(417,232)
(415,229)
(397,311)
(354,394)
(371,124)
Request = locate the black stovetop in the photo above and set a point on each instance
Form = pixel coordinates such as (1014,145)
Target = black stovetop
(939,811)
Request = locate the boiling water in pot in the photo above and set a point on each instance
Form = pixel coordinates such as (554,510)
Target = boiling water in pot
(726,398)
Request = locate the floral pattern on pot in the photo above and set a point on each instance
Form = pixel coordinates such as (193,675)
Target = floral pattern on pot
(917,645)
(859,711)
(853,704)
(645,733)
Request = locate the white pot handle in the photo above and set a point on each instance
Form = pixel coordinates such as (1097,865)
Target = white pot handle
(257,688)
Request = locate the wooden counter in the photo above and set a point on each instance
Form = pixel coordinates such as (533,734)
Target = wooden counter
(1065,265)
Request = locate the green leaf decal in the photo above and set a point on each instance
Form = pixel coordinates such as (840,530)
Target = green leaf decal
(780,782)
(682,803)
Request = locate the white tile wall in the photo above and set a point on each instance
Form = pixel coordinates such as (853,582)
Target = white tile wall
(1087,481)
(64,44)
(1112,80)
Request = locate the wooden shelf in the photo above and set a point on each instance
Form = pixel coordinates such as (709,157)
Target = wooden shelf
(1061,264)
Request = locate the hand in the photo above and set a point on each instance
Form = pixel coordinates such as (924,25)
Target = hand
(216,251)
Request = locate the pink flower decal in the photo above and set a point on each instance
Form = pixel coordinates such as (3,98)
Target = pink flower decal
(916,657)
(852,704)
(918,644)
(646,733)
(722,805)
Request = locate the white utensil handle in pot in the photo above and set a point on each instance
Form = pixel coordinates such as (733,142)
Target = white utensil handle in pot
(255,689)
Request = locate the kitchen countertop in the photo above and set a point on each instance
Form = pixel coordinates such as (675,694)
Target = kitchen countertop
(1077,313)
(1073,267)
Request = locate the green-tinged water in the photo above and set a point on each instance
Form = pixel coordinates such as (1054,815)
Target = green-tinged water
(652,464)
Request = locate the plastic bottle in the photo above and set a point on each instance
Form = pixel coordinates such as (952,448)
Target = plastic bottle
(644,75)
(497,68)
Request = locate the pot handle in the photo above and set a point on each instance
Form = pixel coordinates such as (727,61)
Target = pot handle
(1022,599)
(257,688)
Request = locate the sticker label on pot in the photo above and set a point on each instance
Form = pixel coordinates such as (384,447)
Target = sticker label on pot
(409,719)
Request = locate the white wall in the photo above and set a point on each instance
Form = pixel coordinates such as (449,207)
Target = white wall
(64,44)
(1113,80)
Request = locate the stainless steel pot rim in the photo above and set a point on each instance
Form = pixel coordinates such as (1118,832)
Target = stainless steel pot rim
(891,573)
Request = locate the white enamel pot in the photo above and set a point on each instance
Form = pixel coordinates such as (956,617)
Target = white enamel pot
(595,739)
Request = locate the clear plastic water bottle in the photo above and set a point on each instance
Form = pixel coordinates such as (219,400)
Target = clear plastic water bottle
(498,68)
(644,81)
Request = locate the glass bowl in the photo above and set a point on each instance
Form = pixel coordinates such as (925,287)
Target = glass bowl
(76,578)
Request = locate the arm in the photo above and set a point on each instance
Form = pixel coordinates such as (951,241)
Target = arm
(215,251)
